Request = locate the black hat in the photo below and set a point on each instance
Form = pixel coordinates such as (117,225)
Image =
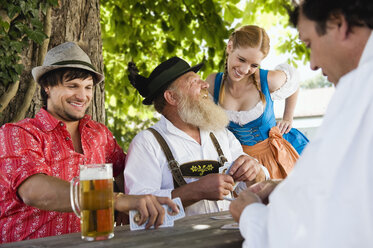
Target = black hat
(162,76)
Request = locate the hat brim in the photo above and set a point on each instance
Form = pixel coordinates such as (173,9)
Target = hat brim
(149,99)
(39,71)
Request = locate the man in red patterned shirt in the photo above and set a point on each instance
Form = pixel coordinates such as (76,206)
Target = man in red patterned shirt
(39,156)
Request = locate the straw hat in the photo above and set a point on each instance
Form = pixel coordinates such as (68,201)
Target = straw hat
(66,55)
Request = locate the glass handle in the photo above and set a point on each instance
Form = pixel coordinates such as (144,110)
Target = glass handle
(74,199)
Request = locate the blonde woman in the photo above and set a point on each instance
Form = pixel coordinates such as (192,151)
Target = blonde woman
(247,92)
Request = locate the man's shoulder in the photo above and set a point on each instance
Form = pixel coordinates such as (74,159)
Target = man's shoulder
(25,124)
(146,137)
(97,125)
(221,132)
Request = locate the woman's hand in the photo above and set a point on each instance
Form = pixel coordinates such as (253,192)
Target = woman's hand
(284,126)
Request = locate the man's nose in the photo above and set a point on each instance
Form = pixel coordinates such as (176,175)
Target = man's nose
(204,84)
(313,63)
(80,94)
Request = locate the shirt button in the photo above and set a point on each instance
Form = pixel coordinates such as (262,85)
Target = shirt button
(67,138)
(61,124)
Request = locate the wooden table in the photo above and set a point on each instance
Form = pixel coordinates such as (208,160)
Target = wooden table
(193,231)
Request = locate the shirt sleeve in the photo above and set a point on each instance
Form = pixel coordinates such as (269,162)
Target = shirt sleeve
(290,86)
(144,167)
(21,156)
(234,145)
(253,225)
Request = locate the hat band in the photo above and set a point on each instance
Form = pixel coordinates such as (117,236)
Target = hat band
(168,74)
(74,62)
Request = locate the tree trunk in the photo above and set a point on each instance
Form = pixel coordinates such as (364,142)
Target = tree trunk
(73,20)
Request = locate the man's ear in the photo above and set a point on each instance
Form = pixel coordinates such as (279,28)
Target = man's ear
(46,89)
(170,97)
(339,21)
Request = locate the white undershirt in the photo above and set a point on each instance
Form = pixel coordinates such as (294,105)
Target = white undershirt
(287,89)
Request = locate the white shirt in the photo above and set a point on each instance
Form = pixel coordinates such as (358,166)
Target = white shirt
(327,201)
(147,171)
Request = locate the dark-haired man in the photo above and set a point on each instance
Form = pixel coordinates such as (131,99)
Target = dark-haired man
(182,153)
(327,200)
(39,156)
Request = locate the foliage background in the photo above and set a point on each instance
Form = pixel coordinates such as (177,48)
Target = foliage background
(146,32)
(149,32)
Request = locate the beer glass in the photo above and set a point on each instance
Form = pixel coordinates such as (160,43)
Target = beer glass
(91,197)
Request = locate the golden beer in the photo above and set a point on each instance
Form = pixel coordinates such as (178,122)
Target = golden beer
(92,201)
(97,209)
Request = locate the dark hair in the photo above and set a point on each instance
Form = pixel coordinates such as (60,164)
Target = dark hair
(357,12)
(56,77)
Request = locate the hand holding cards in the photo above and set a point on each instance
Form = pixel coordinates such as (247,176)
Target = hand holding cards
(170,216)
(225,170)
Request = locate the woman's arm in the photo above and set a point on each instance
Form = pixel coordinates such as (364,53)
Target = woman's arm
(287,120)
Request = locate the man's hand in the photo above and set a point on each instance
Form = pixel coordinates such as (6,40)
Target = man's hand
(265,188)
(214,186)
(149,207)
(284,126)
(245,169)
(210,187)
(245,198)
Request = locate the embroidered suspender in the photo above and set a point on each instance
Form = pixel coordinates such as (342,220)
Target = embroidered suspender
(173,165)
(218,149)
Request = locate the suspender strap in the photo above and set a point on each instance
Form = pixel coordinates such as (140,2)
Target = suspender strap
(173,165)
(218,149)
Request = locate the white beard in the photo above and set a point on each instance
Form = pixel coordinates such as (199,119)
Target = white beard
(202,112)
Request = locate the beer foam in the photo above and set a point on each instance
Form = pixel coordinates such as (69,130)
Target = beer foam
(96,173)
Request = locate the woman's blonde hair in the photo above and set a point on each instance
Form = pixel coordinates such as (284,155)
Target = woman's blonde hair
(249,36)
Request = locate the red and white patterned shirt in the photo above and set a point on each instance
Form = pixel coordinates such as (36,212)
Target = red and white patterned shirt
(43,145)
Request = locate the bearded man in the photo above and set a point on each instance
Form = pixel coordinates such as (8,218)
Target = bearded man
(180,155)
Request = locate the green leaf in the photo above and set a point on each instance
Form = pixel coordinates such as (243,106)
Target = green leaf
(36,36)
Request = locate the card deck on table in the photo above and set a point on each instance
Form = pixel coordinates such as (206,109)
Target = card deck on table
(222,217)
(175,216)
(135,217)
(232,226)
(170,216)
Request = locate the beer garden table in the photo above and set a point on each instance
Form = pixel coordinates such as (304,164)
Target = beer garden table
(192,231)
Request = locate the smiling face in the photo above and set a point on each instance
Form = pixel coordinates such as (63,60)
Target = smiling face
(242,62)
(194,106)
(69,100)
(191,84)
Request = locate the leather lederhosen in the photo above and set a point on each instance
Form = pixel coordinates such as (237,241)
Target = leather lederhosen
(196,168)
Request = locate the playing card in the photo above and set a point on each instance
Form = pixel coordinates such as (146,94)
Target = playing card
(172,216)
(228,198)
(135,217)
(225,168)
(222,217)
(232,226)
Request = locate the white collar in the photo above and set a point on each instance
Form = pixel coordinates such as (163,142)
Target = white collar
(368,51)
